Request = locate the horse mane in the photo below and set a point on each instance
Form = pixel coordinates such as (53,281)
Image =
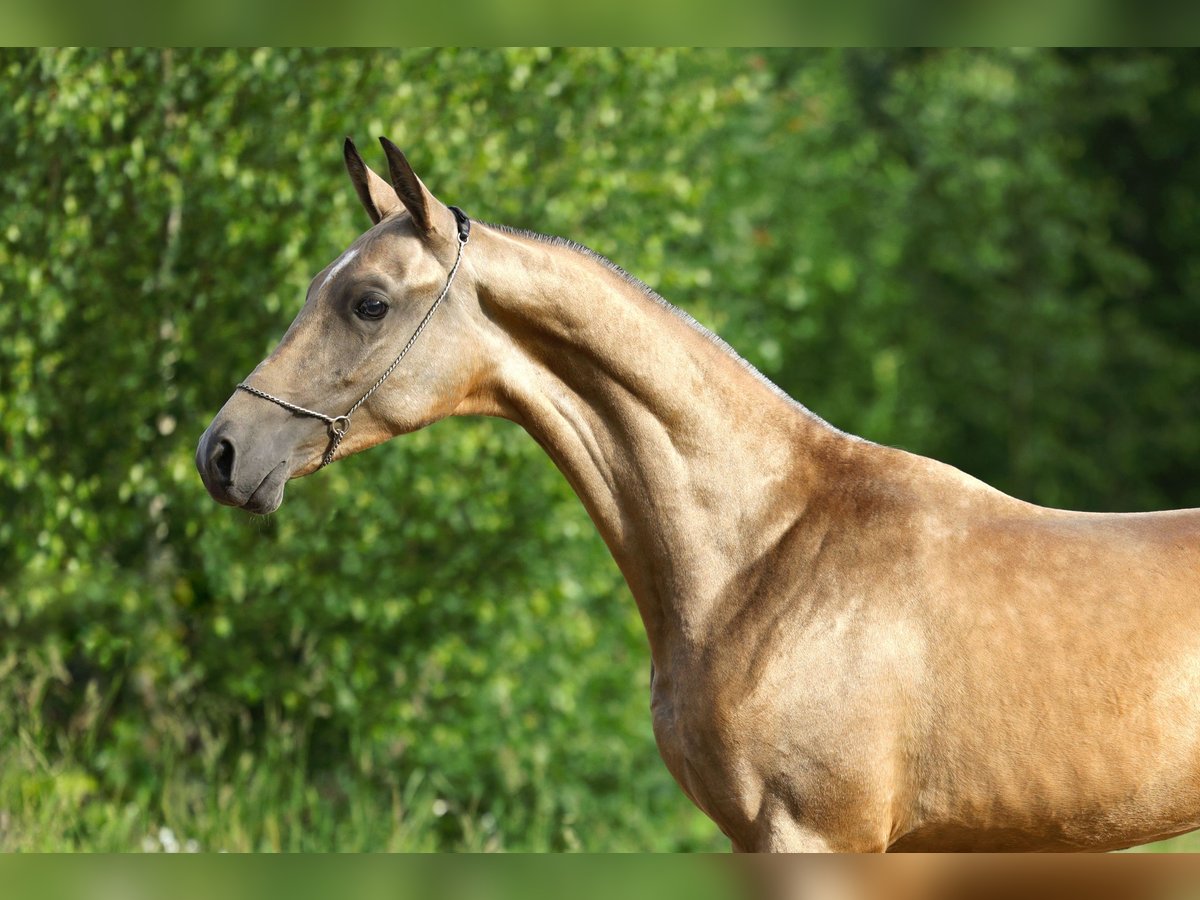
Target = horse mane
(649,292)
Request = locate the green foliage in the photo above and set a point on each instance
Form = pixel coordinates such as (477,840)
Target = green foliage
(986,256)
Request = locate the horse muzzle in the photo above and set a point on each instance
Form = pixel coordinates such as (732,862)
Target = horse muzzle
(235,475)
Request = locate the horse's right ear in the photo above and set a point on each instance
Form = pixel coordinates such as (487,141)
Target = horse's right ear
(378,197)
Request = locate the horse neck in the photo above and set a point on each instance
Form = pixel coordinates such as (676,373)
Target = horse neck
(688,462)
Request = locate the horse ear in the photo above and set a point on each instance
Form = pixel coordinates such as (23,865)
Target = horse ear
(377,196)
(429,214)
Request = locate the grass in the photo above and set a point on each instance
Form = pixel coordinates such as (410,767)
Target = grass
(269,804)
(59,806)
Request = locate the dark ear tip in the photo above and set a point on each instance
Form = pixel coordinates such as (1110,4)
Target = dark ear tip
(389,147)
(397,161)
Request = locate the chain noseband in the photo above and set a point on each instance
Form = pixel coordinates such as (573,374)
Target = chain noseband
(339,425)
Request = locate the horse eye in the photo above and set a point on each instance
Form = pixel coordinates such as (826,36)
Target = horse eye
(371,307)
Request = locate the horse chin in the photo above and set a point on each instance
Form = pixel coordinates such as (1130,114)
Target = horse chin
(268,496)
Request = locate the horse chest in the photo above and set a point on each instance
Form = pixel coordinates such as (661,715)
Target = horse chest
(702,750)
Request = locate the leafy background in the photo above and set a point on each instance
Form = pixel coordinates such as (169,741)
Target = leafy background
(989,257)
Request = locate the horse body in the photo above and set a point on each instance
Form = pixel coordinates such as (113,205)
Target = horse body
(854,648)
(953,670)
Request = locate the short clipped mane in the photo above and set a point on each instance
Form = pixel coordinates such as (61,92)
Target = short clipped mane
(647,291)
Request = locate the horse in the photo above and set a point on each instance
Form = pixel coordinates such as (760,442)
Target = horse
(853,647)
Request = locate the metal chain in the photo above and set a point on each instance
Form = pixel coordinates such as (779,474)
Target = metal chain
(339,425)
(299,410)
(336,436)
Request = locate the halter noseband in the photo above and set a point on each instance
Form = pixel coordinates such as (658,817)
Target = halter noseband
(339,425)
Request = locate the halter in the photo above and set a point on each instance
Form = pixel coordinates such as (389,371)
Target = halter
(339,425)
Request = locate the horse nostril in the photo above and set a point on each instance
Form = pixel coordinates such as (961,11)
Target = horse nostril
(222,462)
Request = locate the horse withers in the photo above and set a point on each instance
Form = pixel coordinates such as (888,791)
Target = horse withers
(855,648)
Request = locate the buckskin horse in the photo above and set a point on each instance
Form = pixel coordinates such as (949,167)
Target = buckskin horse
(854,648)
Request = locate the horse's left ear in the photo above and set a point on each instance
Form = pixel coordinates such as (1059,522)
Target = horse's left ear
(430,215)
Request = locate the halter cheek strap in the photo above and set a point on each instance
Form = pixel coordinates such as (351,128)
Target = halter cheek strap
(339,425)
